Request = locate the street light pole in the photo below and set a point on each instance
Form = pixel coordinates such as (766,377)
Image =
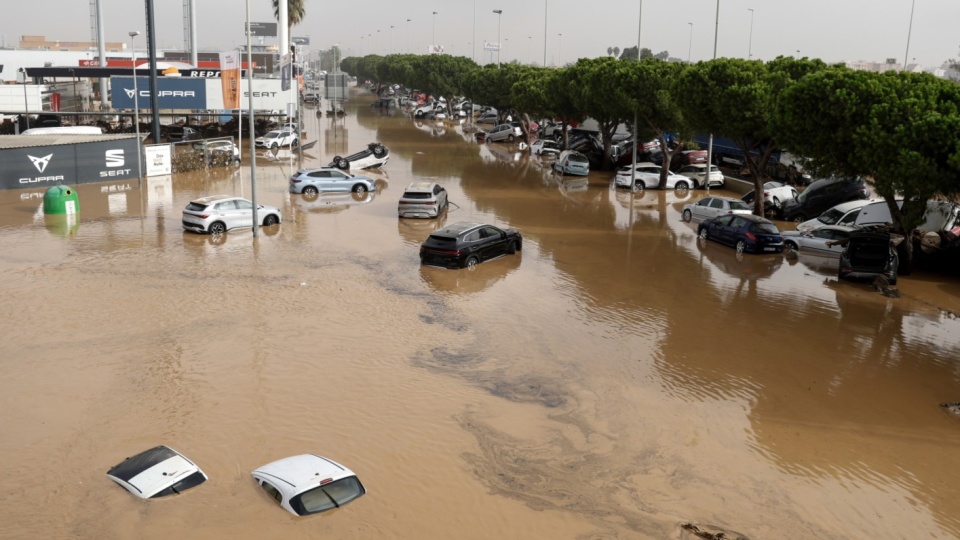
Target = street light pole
(545,33)
(136,104)
(474,49)
(750,42)
(499,12)
(560,50)
(716,30)
(408,37)
(433,38)
(253,147)
(636,120)
(690,46)
(906,55)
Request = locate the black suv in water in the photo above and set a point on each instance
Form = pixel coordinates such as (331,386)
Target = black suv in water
(821,196)
(464,245)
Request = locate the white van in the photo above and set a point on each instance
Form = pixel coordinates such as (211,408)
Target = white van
(940,215)
(64,130)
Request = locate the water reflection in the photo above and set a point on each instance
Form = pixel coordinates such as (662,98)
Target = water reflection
(464,281)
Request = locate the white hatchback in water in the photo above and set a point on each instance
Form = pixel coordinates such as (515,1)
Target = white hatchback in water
(309,484)
(157,472)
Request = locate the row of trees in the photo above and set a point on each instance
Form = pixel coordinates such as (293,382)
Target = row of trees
(900,130)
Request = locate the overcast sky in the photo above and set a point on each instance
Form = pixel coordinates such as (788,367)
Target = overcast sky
(834,30)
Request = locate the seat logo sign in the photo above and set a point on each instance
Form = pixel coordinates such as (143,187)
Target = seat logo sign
(114,158)
(41,162)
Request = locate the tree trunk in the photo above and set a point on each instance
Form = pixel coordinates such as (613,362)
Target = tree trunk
(667,157)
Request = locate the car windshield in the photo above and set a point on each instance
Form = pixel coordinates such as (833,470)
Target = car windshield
(325,497)
(764,228)
(738,205)
(578,158)
(830,217)
(417,195)
(272,135)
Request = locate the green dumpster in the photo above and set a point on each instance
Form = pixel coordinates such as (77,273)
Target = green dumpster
(61,200)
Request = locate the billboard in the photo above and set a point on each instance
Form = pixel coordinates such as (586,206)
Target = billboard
(80,163)
(172,93)
(261,29)
(266,95)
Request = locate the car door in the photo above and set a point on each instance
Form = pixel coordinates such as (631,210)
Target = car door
(726,229)
(228,213)
(340,181)
(244,213)
(717,207)
(837,249)
(494,244)
(472,244)
(320,180)
(701,210)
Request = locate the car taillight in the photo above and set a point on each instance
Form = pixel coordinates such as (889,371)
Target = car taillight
(765,193)
(752,236)
(203,216)
(295,181)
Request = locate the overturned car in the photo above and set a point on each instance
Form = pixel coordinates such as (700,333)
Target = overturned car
(375,156)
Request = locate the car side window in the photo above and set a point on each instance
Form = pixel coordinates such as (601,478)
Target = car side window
(437,190)
(244,205)
(274,492)
(716,203)
(724,221)
(851,217)
(472,237)
(489,232)
(319,174)
(705,202)
(337,174)
(226,206)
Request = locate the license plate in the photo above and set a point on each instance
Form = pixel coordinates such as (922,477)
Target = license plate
(768,248)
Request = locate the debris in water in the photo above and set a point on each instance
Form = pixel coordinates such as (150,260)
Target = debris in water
(882,285)
(720,534)
(303,283)
(952,407)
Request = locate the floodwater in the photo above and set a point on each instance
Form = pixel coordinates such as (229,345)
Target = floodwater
(616,379)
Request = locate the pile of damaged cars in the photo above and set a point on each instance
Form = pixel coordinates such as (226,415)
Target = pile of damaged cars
(302,485)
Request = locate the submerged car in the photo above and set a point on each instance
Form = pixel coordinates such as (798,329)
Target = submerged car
(220,213)
(709,207)
(746,232)
(698,171)
(465,244)
(821,241)
(774,195)
(157,472)
(841,214)
(822,195)
(310,182)
(501,133)
(277,138)
(572,162)
(422,200)
(869,254)
(309,484)
(648,177)
(218,152)
(545,147)
(376,155)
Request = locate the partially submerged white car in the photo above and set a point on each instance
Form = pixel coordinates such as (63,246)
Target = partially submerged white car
(157,472)
(375,156)
(309,484)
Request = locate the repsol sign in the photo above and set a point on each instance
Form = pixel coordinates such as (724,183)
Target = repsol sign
(172,93)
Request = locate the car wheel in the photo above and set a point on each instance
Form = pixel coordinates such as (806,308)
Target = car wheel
(341,163)
(379,150)
(471,262)
(360,189)
(681,185)
(310,191)
(703,234)
(418,114)
(270,220)
(799,218)
(741,246)
(687,216)
(791,246)
(512,248)
(510,138)
(217,227)
(776,203)
(274,146)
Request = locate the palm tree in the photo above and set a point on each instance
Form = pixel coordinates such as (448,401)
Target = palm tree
(295,11)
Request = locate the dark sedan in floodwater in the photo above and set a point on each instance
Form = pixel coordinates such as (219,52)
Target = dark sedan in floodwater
(744,231)
(464,245)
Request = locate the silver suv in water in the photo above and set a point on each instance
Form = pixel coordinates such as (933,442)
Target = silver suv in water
(422,200)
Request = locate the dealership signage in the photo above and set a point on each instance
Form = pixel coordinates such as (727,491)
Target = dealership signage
(172,93)
(80,163)
(261,29)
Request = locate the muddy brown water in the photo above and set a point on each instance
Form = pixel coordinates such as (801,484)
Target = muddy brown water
(615,379)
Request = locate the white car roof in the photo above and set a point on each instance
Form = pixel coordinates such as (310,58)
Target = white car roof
(421,186)
(851,205)
(300,473)
(152,471)
(213,198)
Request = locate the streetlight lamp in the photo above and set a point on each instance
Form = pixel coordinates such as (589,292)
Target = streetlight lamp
(433,38)
(909,31)
(499,12)
(690,46)
(136,101)
(750,42)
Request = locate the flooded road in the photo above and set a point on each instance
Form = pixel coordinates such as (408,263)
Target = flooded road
(615,379)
